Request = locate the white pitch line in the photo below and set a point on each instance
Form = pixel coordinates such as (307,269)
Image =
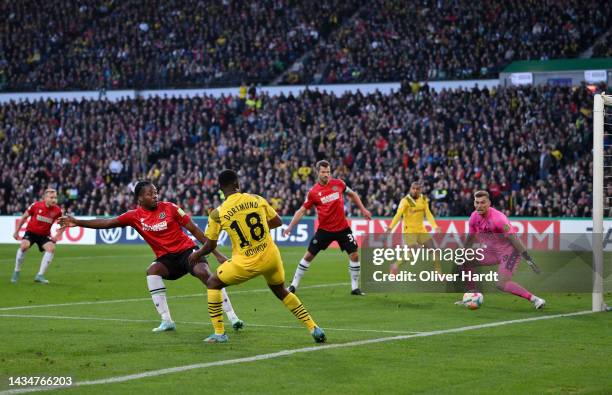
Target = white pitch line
(81,257)
(91,257)
(230,292)
(260,357)
(248,324)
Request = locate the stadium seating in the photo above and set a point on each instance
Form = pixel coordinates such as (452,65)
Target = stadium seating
(32,31)
(388,41)
(603,49)
(160,44)
(528,146)
(136,44)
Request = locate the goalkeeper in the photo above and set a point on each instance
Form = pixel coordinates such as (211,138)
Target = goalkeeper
(493,230)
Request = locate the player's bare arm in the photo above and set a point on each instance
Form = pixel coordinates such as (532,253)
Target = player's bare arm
(195,231)
(275,222)
(199,235)
(516,243)
(20,222)
(520,248)
(219,256)
(208,247)
(355,198)
(296,218)
(58,234)
(68,221)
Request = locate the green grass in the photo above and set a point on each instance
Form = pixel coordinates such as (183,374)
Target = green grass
(562,355)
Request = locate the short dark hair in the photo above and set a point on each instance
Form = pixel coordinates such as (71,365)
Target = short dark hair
(139,187)
(322,163)
(416,184)
(227,178)
(479,194)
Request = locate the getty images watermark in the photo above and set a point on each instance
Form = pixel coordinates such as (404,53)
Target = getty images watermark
(445,263)
(405,255)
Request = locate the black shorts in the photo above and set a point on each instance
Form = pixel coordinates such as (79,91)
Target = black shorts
(33,238)
(322,239)
(177,263)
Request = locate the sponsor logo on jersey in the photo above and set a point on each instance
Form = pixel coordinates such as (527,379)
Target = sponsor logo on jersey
(330,198)
(110,236)
(44,219)
(158,227)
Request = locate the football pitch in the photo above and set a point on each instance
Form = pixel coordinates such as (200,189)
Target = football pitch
(93,323)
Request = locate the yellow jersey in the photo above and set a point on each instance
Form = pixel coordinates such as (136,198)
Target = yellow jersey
(245,219)
(414,212)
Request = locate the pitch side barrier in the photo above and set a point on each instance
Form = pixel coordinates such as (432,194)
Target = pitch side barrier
(337,89)
(536,233)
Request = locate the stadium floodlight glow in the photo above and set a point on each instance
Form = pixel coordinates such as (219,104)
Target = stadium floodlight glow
(602,204)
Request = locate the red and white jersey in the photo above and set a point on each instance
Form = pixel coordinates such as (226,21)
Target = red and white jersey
(329,202)
(160,228)
(42,217)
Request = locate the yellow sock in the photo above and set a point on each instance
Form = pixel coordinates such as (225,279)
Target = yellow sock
(215,310)
(296,307)
(437,266)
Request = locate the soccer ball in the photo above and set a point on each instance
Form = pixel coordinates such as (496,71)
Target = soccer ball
(472,300)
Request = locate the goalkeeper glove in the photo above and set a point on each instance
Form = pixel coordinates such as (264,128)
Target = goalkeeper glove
(530,262)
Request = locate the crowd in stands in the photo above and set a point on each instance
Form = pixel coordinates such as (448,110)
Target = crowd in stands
(529,147)
(32,31)
(603,49)
(164,43)
(449,40)
(138,44)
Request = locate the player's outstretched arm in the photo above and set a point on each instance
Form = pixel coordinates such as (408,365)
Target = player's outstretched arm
(206,249)
(355,198)
(199,235)
(19,223)
(219,256)
(520,248)
(59,233)
(68,221)
(195,231)
(275,222)
(296,218)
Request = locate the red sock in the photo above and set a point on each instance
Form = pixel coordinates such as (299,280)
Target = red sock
(516,289)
